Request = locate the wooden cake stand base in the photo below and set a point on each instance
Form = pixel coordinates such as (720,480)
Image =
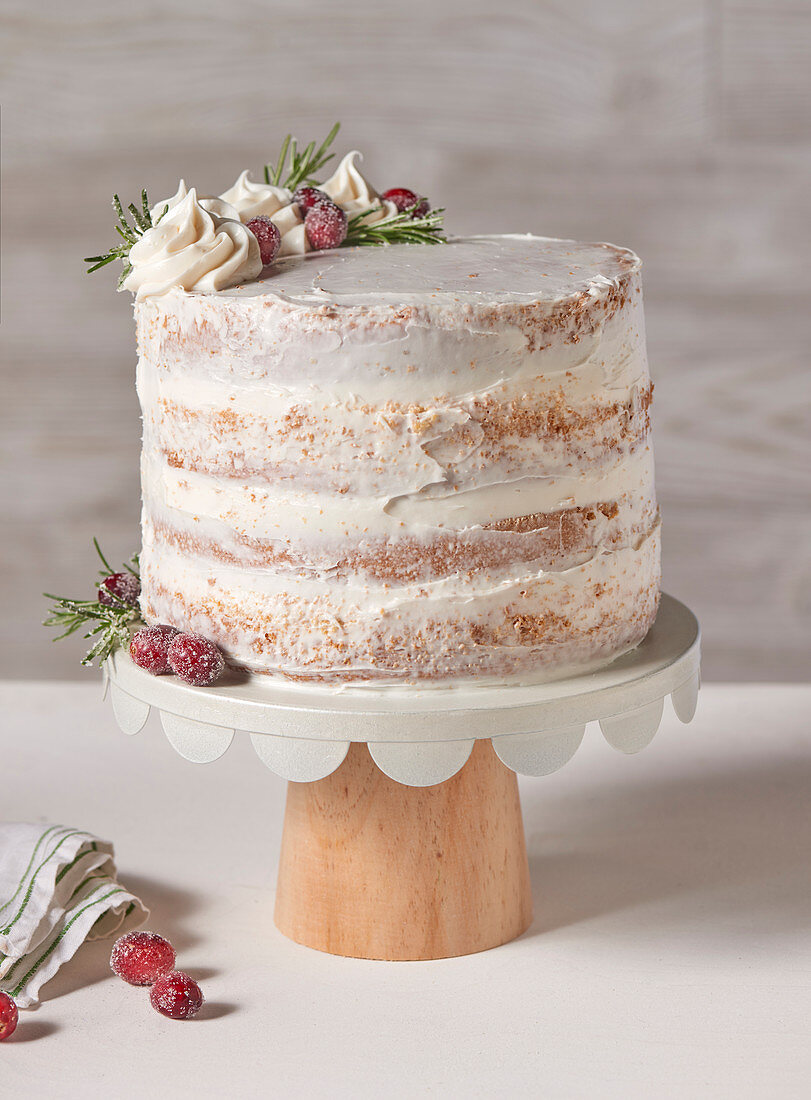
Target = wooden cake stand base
(374,869)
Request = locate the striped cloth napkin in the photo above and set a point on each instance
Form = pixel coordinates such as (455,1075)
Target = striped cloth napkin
(58,888)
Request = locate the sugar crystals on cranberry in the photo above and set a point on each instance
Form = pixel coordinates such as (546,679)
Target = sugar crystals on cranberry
(141,957)
(8,1016)
(118,589)
(195,659)
(176,995)
(404,199)
(268,235)
(325,225)
(308,197)
(149,648)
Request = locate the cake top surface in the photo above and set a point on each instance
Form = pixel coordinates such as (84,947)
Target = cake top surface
(510,268)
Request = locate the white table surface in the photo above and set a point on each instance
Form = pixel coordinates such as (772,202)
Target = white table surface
(670,954)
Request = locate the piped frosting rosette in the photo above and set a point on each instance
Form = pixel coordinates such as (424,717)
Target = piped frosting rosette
(214,204)
(353,193)
(192,247)
(255,200)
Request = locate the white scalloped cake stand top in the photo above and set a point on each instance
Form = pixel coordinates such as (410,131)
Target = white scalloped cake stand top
(422,736)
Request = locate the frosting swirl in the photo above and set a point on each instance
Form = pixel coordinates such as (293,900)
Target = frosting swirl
(291,226)
(253,200)
(214,204)
(193,248)
(352,191)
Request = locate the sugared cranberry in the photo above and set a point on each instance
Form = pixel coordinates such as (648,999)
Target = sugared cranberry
(150,646)
(120,588)
(176,995)
(404,199)
(195,659)
(269,237)
(8,1016)
(308,197)
(141,957)
(325,225)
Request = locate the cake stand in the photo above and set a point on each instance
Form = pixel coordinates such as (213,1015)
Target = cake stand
(403,836)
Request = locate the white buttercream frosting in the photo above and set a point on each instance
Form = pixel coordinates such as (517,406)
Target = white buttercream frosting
(193,249)
(290,224)
(353,192)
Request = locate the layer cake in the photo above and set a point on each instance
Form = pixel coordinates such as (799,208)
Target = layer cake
(406,464)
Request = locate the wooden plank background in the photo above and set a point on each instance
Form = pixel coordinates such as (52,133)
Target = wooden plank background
(680,129)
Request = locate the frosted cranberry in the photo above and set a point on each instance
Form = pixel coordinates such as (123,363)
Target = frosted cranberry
(120,588)
(269,237)
(176,995)
(141,957)
(308,197)
(195,659)
(325,225)
(8,1016)
(403,199)
(149,648)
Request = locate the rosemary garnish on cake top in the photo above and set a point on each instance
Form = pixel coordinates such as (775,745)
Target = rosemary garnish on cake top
(407,227)
(142,221)
(301,167)
(209,243)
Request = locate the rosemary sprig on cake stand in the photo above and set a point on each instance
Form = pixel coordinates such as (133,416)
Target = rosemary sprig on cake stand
(109,618)
(132,566)
(129,233)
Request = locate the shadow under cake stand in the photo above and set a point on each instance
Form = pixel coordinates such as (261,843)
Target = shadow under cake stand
(403,836)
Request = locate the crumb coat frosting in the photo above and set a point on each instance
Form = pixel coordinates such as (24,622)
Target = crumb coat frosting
(405,463)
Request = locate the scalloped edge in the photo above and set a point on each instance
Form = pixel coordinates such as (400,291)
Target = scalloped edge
(415,763)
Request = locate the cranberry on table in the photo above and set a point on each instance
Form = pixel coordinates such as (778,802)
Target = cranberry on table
(325,225)
(149,648)
(141,957)
(176,995)
(8,1016)
(403,198)
(120,588)
(195,659)
(308,197)
(268,235)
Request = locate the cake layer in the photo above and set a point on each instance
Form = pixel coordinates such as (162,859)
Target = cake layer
(531,624)
(552,541)
(404,463)
(257,509)
(318,443)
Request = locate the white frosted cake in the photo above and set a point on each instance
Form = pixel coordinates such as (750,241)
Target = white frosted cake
(407,464)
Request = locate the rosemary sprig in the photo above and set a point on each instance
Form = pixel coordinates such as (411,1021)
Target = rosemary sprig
(108,624)
(131,566)
(302,166)
(400,228)
(129,233)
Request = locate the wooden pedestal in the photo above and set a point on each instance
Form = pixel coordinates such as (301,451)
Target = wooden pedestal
(374,869)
